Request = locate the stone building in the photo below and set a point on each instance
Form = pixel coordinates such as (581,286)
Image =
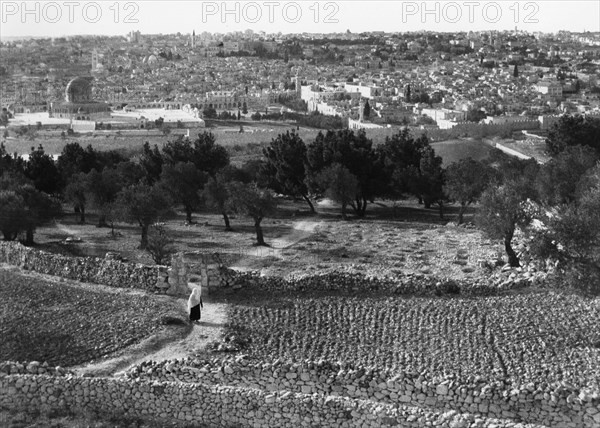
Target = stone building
(78,104)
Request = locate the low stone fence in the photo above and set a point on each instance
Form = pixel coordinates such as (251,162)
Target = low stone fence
(549,405)
(313,394)
(106,271)
(32,367)
(407,283)
(214,275)
(194,404)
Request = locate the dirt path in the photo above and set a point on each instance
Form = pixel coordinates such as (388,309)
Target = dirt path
(171,342)
(301,230)
(174,342)
(177,341)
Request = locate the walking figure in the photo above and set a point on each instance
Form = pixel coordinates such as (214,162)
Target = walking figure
(194,305)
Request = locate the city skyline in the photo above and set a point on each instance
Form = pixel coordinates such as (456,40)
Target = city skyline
(56,19)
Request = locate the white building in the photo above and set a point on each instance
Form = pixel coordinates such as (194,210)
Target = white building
(445,114)
(368,92)
(357,124)
(553,89)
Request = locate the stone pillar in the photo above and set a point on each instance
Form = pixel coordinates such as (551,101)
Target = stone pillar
(162,280)
(178,276)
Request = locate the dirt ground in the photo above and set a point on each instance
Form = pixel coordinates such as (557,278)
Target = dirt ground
(174,342)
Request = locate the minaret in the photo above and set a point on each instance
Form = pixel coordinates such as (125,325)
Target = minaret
(193,39)
(94,60)
(298,87)
(361,110)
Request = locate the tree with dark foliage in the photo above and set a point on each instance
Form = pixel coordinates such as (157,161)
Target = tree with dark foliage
(41,169)
(23,208)
(76,193)
(253,201)
(353,151)
(75,159)
(102,191)
(400,157)
(160,244)
(465,182)
(144,205)
(502,210)
(12,214)
(183,181)
(203,152)
(558,179)
(10,163)
(339,184)
(151,162)
(429,182)
(572,131)
(285,166)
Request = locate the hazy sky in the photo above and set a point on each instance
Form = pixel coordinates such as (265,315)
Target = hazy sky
(69,17)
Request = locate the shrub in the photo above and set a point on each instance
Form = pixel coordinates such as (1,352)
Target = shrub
(160,244)
(542,245)
(582,277)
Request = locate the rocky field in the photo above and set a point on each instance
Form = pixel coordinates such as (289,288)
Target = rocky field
(527,337)
(65,323)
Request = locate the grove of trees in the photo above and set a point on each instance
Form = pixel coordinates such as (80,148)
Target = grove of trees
(558,203)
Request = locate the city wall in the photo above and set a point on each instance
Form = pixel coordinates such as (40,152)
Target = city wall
(472,129)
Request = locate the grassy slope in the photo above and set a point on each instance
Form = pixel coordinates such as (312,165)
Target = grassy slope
(454,150)
(228,136)
(67,324)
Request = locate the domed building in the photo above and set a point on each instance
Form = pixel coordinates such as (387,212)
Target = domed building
(78,104)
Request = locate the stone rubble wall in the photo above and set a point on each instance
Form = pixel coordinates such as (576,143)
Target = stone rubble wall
(214,275)
(549,405)
(187,404)
(407,283)
(436,404)
(106,271)
(32,367)
(221,406)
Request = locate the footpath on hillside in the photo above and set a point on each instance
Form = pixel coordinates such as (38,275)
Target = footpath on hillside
(170,344)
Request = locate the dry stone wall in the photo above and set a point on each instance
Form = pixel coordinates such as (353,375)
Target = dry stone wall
(409,283)
(394,402)
(549,405)
(214,275)
(107,271)
(189,404)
